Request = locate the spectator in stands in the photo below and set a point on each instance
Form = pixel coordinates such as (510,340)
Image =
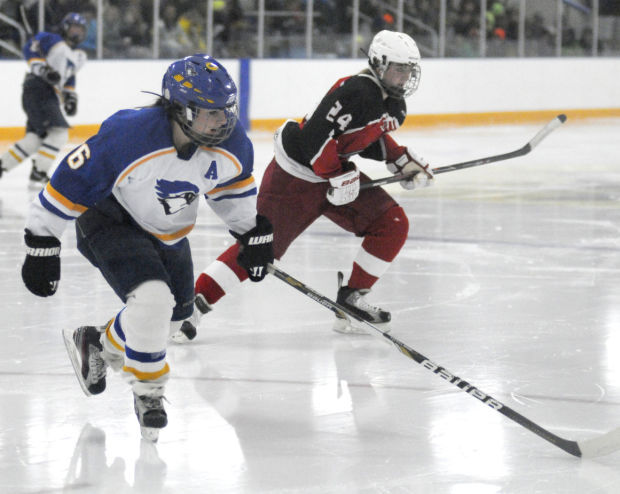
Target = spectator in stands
(511,23)
(192,22)
(226,14)
(112,41)
(135,32)
(535,27)
(426,11)
(383,20)
(90,43)
(173,40)
(467,21)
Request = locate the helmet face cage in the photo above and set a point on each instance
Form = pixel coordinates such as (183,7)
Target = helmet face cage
(391,52)
(200,83)
(186,116)
(73,19)
(399,90)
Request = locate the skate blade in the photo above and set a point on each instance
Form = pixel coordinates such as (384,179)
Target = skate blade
(150,433)
(180,338)
(349,326)
(67,336)
(346,326)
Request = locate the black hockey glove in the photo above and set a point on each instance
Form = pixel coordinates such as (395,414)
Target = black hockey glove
(256,248)
(47,73)
(41,269)
(70,102)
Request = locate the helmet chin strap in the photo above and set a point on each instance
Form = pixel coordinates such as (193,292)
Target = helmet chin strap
(179,138)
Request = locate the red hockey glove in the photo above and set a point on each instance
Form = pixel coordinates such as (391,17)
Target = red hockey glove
(409,162)
(344,188)
(389,124)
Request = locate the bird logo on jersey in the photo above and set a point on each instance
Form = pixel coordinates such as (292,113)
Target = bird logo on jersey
(175,196)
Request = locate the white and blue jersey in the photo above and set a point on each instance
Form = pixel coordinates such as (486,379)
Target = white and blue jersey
(133,158)
(50,49)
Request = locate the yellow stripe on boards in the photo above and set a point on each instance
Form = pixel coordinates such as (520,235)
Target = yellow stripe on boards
(82,132)
(470,119)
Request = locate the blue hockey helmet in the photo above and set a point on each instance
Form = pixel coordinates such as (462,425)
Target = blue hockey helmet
(199,83)
(73,37)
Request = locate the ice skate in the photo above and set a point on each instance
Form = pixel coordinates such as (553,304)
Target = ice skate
(188,332)
(85,352)
(353,300)
(37,178)
(151,415)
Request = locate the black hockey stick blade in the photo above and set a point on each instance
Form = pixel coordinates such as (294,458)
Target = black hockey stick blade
(542,133)
(597,446)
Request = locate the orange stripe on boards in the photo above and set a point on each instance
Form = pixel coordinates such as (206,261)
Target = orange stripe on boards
(509,117)
(78,133)
(466,119)
(82,132)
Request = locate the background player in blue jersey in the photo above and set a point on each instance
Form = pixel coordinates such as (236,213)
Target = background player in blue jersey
(134,191)
(53,61)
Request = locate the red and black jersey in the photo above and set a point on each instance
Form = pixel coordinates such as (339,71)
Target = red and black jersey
(352,118)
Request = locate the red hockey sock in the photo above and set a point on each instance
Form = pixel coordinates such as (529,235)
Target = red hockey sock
(382,243)
(209,288)
(212,282)
(360,279)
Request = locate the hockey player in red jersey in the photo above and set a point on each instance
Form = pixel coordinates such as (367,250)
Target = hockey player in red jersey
(312,176)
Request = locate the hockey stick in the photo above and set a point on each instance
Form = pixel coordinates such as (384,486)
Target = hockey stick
(597,446)
(542,133)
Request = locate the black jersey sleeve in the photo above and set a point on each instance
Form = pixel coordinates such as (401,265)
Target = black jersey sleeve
(385,147)
(344,123)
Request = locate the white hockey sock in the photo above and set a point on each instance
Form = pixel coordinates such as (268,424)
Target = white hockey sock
(51,146)
(113,343)
(145,323)
(21,150)
(371,264)
(225,277)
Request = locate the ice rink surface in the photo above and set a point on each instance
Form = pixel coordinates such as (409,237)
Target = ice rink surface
(509,279)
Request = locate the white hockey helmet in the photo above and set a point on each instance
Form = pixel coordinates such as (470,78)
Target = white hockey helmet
(397,52)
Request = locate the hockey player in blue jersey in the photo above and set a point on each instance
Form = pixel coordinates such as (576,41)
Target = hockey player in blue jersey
(53,61)
(134,191)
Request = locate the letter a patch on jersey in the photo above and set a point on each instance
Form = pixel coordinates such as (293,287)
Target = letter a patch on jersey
(212,172)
